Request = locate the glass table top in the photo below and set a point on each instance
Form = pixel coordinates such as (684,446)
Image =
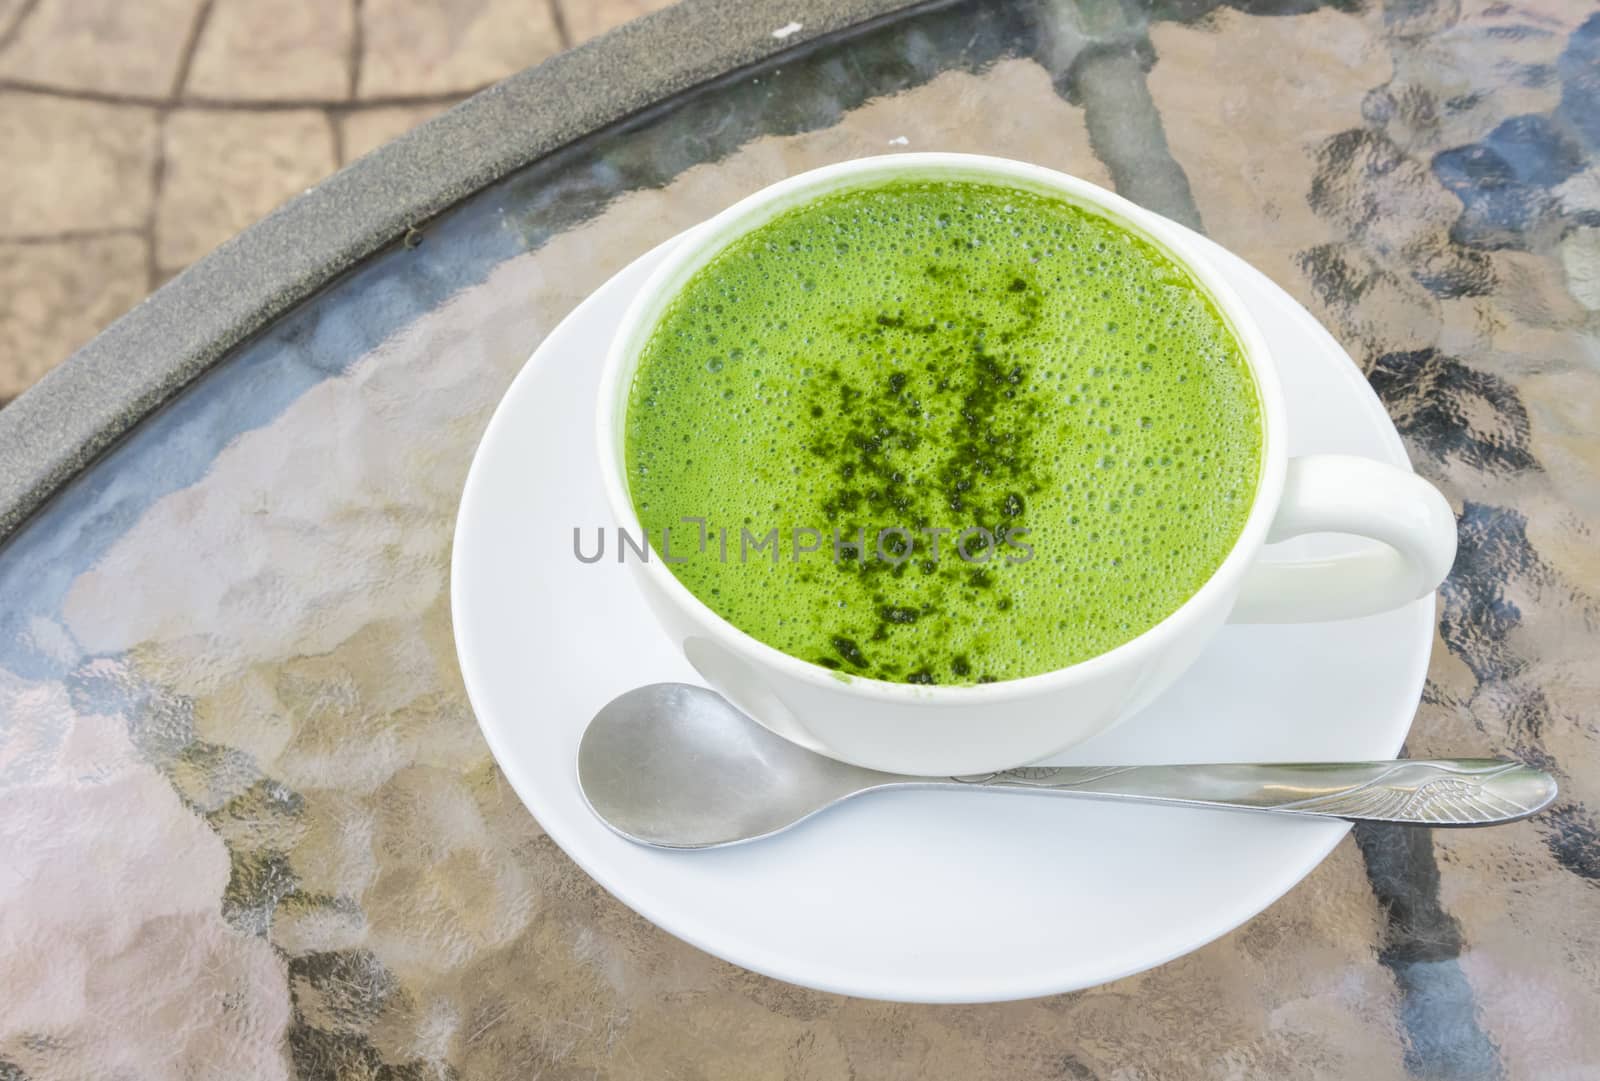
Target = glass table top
(251,828)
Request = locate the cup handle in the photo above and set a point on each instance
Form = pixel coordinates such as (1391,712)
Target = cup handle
(1337,493)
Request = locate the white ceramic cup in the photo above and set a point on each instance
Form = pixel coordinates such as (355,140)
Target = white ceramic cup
(939,730)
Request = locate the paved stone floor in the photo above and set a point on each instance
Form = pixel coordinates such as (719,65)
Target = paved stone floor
(137,136)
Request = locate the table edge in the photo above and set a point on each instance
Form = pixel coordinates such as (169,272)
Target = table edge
(61,425)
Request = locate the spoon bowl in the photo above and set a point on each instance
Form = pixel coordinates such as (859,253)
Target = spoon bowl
(678,766)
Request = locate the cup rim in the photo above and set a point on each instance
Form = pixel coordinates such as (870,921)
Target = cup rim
(693,249)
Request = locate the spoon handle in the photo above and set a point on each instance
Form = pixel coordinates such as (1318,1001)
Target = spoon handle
(1439,792)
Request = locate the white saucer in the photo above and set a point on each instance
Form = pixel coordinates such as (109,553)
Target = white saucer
(918,896)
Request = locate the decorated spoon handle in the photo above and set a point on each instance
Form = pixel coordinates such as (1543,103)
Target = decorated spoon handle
(1439,792)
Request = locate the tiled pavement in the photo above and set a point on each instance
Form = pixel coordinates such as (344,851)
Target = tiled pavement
(135,137)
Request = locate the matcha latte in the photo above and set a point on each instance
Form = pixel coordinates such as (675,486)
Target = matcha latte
(942,432)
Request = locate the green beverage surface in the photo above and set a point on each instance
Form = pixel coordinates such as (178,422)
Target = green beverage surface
(943,356)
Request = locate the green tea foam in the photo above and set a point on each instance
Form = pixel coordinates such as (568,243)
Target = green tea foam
(943,359)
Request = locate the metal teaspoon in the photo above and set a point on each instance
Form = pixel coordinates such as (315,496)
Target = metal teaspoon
(677,766)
